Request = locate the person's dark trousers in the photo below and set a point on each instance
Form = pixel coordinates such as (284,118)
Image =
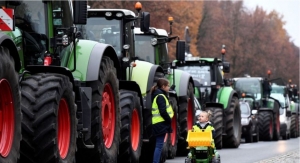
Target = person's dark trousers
(158,148)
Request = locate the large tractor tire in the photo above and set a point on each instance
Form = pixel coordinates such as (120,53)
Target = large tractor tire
(265,123)
(186,119)
(131,127)
(233,125)
(217,122)
(173,140)
(49,124)
(294,126)
(10,110)
(276,133)
(106,121)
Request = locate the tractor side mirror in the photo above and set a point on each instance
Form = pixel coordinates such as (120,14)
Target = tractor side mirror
(180,50)
(226,67)
(80,12)
(145,22)
(288,113)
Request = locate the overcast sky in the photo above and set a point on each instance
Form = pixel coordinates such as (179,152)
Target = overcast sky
(290,9)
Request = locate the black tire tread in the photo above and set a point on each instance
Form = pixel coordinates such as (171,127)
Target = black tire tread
(41,95)
(264,119)
(8,72)
(231,140)
(128,102)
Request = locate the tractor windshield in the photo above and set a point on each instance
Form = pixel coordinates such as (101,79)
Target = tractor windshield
(248,86)
(143,48)
(104,31)
(157,54)
(199,73)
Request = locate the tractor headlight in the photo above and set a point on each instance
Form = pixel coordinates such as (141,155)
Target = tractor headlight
(153,41)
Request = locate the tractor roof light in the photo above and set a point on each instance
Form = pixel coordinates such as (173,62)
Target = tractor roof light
(223,51)
(152,31)
(153,41)
(108,14)
(170,19)
(119,14)
(138,6)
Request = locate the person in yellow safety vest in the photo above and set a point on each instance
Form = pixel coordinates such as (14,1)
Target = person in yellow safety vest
(162,113)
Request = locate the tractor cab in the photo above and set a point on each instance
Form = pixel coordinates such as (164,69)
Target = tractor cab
(37,34)
(115,27)
(207,74)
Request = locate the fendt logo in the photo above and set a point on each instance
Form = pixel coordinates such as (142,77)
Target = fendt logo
(6,20)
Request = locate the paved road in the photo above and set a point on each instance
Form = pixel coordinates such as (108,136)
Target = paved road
(282,151)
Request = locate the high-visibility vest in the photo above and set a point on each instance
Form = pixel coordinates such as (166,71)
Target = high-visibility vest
(156,117)
(208,128)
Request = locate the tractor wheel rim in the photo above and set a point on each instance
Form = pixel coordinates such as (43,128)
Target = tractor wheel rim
(190,114)
(108,115)
(174,132)
(135,130)
(64,128)
(7,121)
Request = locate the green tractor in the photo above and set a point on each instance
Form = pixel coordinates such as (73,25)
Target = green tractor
(214,94)
(71,95)
(115,27)
(151,46)
(267,106)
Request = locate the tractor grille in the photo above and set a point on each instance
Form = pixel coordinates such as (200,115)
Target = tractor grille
(201,154)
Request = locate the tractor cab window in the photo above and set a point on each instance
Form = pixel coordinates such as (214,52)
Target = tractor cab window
(103,31)
(129,38)
(30,20)
(62,14)
(143,48)
(249,86)
(199,73)
(162,53)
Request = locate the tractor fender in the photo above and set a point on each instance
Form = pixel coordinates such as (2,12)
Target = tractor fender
(6,41)
(182,80)
(144,74)
(294,108)
(33,69)
(225,95)
(88,59)
(131,86)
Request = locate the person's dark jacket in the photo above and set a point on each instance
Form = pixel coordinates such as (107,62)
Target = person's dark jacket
(165,126)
